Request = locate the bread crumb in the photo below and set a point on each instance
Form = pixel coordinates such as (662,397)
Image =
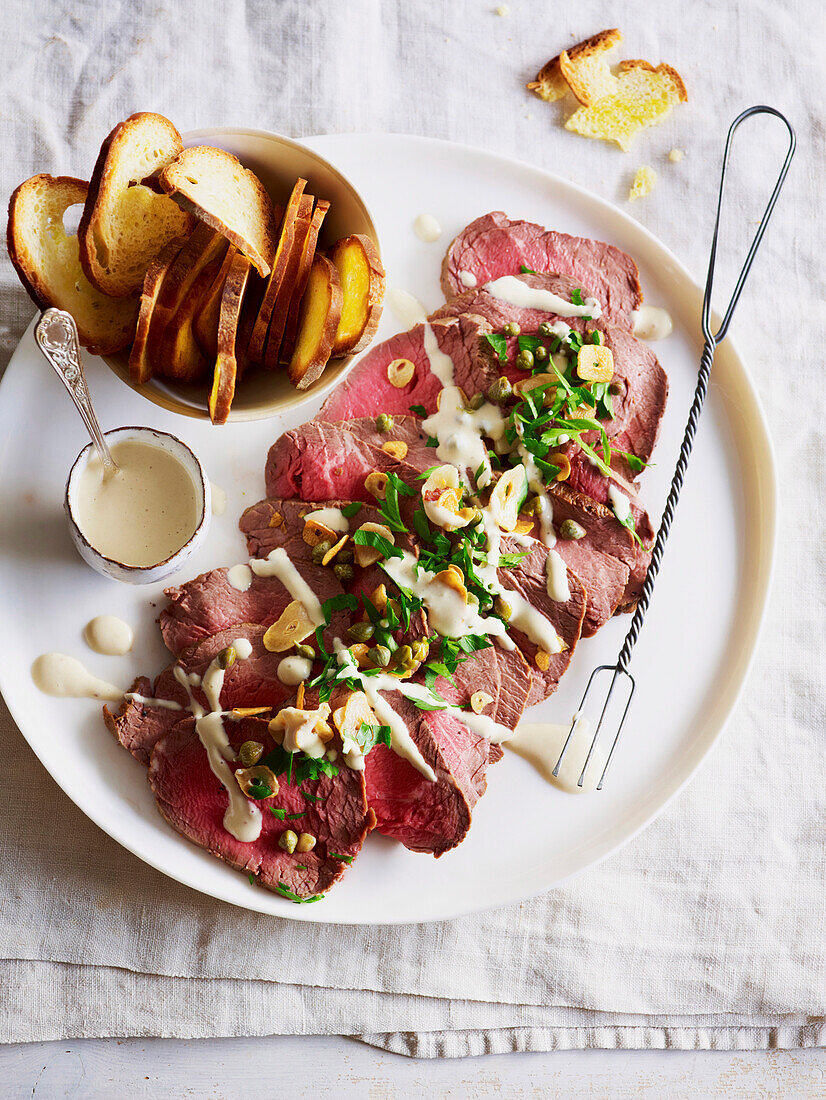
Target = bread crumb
(645,180)
(503,10)
(676,155)
(644,96)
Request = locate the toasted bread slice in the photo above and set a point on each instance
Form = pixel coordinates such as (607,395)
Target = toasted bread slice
(199,251)
(46,258)
(283,250)
(317,325)
(361,274)
(304,266)
(205,325)
(140,364)
(218,189)
(552,81)
(278,320)
(126,224)
(644,96)
(586,70)
(226,363)
(179,346)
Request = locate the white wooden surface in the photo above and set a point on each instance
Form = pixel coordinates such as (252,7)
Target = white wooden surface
(292,1068)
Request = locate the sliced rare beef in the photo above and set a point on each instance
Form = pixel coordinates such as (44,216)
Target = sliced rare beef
(210,603)
(366,391)
(605,534)
(529,579)
(493,245)
(250,682)
(503,674)
(193,802)
(427,816)
(324,461)
(643,386)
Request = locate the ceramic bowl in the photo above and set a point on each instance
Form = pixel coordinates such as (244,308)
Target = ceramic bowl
(134,574)
(278,162)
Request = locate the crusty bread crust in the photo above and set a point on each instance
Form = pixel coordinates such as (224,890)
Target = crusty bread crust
(552,82)
(116,258)
(140,363)
(226,363)
(278,318)
(205,326)
(283,251)
(304,267)
(46,260)
(346,345)
(222,172)
(312,349)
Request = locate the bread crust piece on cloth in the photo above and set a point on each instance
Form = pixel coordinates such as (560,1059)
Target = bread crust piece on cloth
(716,914)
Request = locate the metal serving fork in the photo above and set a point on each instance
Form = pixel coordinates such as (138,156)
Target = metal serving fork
(712,339)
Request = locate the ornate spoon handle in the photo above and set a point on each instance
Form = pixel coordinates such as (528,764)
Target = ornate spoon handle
(56,336)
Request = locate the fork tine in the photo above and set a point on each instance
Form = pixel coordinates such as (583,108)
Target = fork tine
(595,738)
(619,731)
(576,717)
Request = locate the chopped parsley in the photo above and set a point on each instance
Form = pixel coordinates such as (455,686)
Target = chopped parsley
(298,765)
(287,893)
(527,270)
(252,878)
(389,507)
(418,410)
(499,343)
(368,736)
(350,510)
(378,542)
(344,859)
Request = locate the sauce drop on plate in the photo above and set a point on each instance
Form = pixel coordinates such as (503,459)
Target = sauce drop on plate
(540,743)
(109,635)
(143,514)
(58,674)
(427,228)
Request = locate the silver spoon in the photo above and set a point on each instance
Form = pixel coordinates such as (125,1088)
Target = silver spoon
(56,336)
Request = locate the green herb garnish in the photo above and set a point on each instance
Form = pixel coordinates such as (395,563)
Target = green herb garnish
(287,893)
(350,510)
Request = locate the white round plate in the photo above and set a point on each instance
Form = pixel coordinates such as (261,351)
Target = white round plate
(689,665)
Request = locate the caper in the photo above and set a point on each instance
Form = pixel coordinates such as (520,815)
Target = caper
(502,608)
(512,328)
(421,649)
(524,359)
(227,657)
(529,507)
(477,401)
(288,841)
(500,391)
(320,549)
(306,843)
(345,555)
(570,529)
(250,753)
(615,388)
(379,655)
(361,632)
(343,571)
(305,651)
(384,423)
(546,329)
(541,354)
(404,658)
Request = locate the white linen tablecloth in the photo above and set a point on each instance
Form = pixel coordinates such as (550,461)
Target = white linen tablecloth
(708,930)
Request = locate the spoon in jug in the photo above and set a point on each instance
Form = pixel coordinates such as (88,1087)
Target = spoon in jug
(56,336)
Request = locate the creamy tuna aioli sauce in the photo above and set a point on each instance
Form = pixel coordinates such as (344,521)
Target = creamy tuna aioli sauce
(293,670)
(467,278)
(219,499)
(427,228)
(517,293)
(540,743)
(407,310)
(240,577)
(277,564)
(620,503)
(652,323)
(333,518)
(58,674)
(109,635)
(144,513)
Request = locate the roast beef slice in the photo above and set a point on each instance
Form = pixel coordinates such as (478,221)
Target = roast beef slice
(493,245)
(193,802)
